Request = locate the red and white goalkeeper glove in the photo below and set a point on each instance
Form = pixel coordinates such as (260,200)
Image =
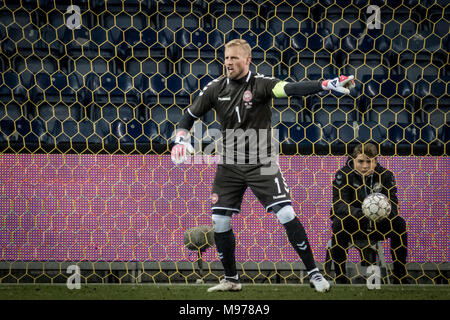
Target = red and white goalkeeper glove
(181,148)
(343,84)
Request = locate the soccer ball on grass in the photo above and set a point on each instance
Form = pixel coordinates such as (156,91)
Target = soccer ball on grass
(376,206)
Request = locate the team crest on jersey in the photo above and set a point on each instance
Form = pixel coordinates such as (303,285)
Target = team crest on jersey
(247,97)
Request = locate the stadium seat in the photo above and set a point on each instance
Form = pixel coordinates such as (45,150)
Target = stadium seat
(149,36)
(443,103)
(8,47)
(38,130)
(432,42)
(108,81)
(284,134)
(92,81)
(14,111)
(372,88)
(174,22)
(11,79)
(349,41)
(318,40)
(42,82)
(166,130)
(7,129)
(282,41)
(313,132)
(411,133)
(166,37)
(190,84)
(71,130)
(346,131)
(125,82)
(119,97)
(427,133)
(174,83)
(216,38)
(399,43)
(44,111)
(15,32)
(116,36)
(183,37)
(190,23)
(382,43)
(59,80)
(54,128)
(422,88)
(388,87)
(75,80)
(98,35)
(395,133)
(438,86)
(88,133)
(126,133)
(296,133)
(405,88)
(199,38)
(27,79)
(135,130)
(321,116)
(444,133)
(19,95)
(265,40)
(329,133)
(157,83)
(371,130)
(132,36)
(441,28)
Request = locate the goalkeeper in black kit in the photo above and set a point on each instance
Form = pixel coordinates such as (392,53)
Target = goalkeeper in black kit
(242,102)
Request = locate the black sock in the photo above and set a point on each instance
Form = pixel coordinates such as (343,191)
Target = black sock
(299,240)
(226,244)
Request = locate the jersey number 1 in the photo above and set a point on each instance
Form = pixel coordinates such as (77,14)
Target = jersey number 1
(277,182)
(237,111)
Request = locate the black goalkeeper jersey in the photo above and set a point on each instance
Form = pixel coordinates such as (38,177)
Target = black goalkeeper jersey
(243,110)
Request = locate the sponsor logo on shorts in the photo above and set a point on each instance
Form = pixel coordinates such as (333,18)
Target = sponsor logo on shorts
(214,198)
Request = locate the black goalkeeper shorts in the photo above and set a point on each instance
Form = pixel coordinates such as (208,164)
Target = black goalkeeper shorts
(231,182)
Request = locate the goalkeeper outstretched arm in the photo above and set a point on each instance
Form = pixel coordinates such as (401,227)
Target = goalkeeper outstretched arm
(284,89)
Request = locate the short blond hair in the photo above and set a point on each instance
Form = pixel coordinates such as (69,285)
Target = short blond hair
(240,43)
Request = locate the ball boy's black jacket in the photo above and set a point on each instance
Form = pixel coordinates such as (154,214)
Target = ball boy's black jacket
(350,188)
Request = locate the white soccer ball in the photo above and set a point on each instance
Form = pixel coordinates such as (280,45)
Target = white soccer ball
(376,206)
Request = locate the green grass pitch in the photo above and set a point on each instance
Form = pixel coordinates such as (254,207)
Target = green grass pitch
(198,292)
